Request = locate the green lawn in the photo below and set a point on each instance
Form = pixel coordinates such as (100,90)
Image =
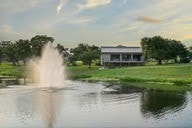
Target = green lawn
(10,70)
(175,77)
(165,72)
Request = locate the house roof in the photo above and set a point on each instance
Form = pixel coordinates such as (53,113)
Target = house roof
(120,49)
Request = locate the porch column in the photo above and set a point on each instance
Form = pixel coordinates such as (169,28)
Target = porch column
(120,57)
(131,57)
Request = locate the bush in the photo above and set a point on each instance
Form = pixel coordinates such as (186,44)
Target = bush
(185,60)
(79,63)
(111,66)
(180,82)
(97,62)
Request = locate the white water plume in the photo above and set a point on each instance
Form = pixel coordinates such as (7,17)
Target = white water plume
(48,70)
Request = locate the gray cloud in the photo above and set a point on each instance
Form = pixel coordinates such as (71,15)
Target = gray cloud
(147,19)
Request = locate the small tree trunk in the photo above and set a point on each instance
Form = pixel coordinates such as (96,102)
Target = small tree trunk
(14,63)
(89,65)
(159,62)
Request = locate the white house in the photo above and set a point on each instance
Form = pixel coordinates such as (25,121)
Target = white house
(121,56)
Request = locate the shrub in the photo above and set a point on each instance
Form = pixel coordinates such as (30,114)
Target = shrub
(185,60)
(79,63)
(97,62)
(111,66)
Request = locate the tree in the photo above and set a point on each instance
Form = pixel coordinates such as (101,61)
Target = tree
(155,47)
(77,51)
(72,60)
(23,50)
(144,42)
(176,48)
(10,52)
(62,50)
(80,49)
(190,48)
(163,49)
(83,52)
(88,56)
(38,42)
(190,52)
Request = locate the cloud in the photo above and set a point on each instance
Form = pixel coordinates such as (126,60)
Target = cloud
(90,4)
(60,6)
(76,20)
(97,3)
(147,19)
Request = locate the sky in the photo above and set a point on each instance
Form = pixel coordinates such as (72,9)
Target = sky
(98,22)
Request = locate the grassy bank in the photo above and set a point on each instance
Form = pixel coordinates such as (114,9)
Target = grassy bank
(10,70)
(181,72)
(175,77)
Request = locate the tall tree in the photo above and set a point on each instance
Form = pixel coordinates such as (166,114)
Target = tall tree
(10,52)
(38,42)
(144,43)
(176,48)
(62,50)
(160,49)
(88,56)
(23,50)
(155,47)
(190,52)
(190,48)
(77,51)
(85,53)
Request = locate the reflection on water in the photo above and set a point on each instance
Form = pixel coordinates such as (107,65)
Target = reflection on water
(92,105)
(5,82)
(49,104)
(24,106)
(158,103)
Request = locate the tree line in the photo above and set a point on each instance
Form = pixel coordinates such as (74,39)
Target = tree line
(156,47)
(160,49)
(22,50)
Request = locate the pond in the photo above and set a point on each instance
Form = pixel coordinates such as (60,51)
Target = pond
(82,104)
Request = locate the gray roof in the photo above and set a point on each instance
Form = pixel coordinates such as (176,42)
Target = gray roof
(120,49)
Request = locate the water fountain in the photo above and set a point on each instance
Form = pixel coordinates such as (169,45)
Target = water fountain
(48,70)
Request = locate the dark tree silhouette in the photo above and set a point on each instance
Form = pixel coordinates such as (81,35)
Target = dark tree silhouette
(38,42)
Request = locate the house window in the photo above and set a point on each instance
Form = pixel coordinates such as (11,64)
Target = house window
(137,57)
(126,57)
(115,57)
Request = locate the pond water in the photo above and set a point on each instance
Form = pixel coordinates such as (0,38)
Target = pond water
(82,104)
